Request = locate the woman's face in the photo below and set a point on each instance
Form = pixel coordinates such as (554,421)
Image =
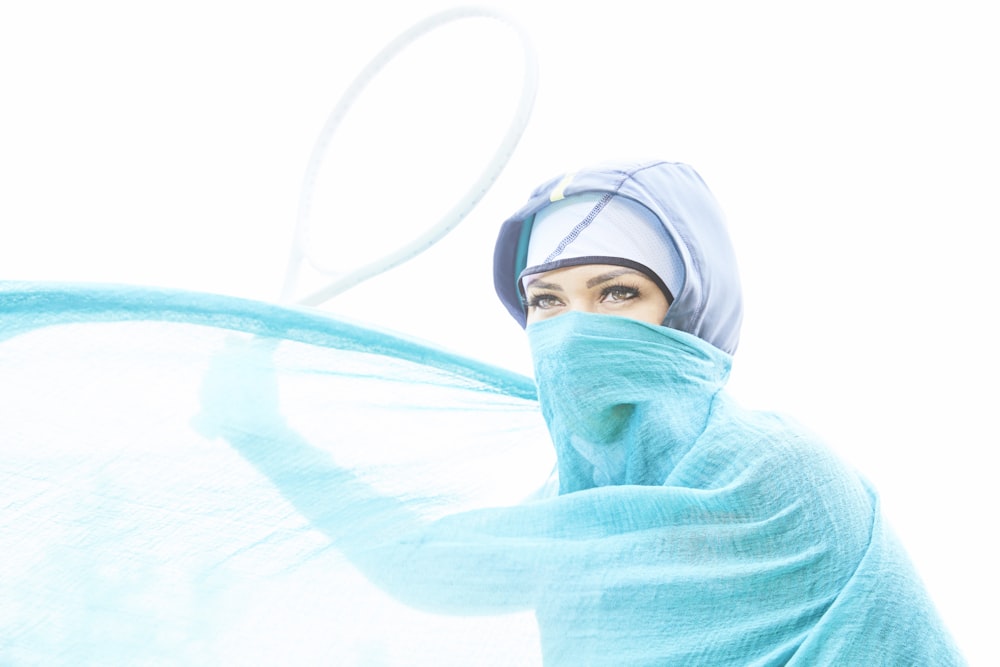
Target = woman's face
(595,288)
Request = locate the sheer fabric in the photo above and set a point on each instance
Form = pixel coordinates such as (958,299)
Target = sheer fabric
(135,531)
(194,479)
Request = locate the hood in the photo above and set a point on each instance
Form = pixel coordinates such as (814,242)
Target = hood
(709,303)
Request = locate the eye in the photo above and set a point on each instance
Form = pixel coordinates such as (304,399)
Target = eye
(543,301)
(619,293)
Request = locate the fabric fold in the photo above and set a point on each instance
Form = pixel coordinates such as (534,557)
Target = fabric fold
(196,479)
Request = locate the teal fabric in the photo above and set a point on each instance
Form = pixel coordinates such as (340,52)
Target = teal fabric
(758,545)
(195,479)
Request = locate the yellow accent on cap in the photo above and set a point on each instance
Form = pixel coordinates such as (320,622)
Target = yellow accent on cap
(559,191)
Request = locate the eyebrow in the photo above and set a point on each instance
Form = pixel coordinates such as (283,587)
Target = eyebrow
(611,275)
(593,282)
(541,284)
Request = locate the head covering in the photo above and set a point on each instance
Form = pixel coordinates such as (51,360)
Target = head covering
(603,228)
(698,264)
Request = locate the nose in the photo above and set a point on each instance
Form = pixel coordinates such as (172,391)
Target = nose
(583,307)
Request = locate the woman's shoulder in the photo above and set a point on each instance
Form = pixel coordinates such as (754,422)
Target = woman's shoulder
(773,461)
(770,439)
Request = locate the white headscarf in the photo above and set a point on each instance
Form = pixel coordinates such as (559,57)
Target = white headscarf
(604,228)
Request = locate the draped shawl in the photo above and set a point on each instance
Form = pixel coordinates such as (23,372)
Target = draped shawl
(194,479)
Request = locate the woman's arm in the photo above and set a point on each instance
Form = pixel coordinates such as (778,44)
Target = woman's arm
(453,566)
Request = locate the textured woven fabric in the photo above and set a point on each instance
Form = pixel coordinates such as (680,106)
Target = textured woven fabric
(766,548)
(192,479)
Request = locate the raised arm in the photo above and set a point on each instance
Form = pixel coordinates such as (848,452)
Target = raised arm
(453,566)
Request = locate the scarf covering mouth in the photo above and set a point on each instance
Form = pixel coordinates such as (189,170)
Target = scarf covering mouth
(195,479)
(624,399)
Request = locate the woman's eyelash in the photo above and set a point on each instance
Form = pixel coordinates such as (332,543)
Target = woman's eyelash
(628,291)
(632,290)
(535,299)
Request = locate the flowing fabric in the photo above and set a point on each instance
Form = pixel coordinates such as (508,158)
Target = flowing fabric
(194,479)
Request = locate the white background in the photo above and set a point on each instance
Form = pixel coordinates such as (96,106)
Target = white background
(853,146)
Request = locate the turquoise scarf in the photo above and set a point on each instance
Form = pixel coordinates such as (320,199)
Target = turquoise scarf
(624,400)
(193,479)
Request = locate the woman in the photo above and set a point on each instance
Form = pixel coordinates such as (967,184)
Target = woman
(678,528)
(773,550)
